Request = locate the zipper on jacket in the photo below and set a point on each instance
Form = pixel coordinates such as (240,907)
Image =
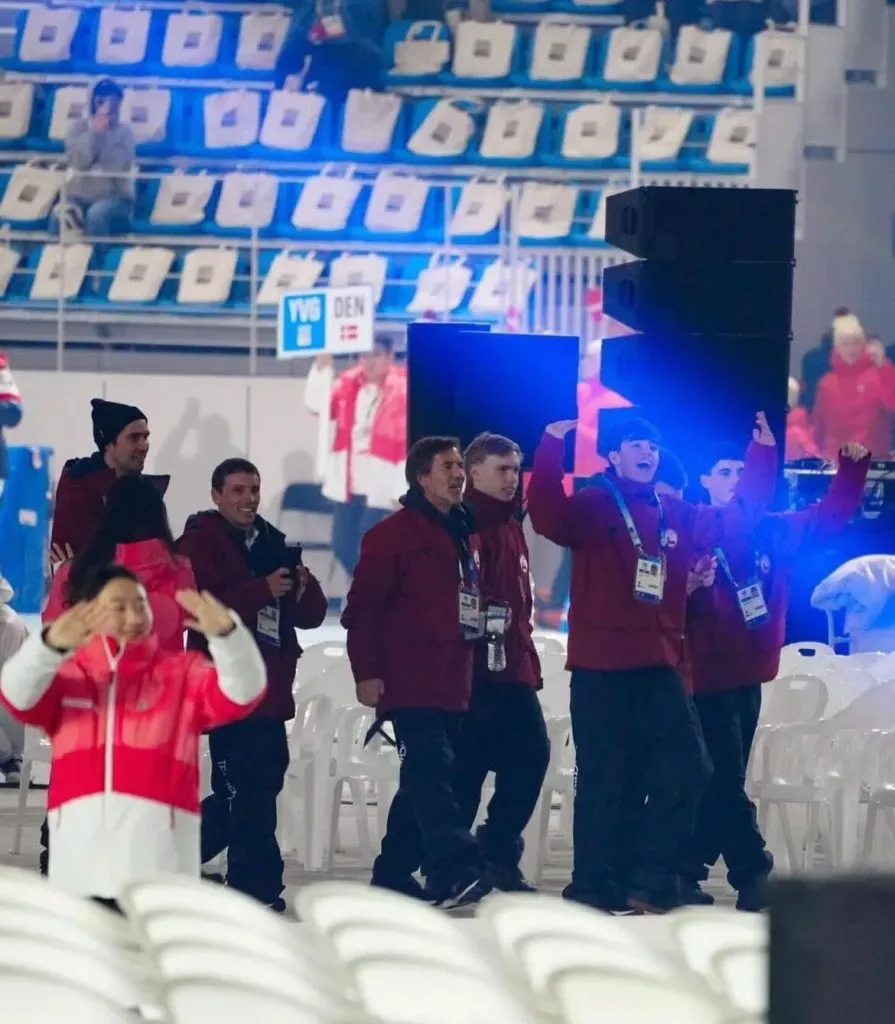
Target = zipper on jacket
(110,726)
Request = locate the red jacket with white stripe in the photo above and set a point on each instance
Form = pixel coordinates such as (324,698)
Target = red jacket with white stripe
(124,727)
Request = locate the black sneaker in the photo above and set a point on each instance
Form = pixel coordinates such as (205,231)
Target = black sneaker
(753,896)
(278,906)
(470,889)
(408,886)
(509,879)
(609,901)
(692,895)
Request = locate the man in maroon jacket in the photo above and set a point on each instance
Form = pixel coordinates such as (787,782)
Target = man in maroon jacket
(121,433)
(504,729)
(736,630)
(243,561)
(413,614)
(632,553)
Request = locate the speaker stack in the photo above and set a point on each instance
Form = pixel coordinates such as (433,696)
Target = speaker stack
(710,296)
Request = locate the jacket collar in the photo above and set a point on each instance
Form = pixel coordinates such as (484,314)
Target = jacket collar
(101,657)
(490,511)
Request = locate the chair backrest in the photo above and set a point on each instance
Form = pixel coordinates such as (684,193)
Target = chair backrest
(743,973)
(545,643)
(438,993)
(354,941)
(587,994)
(317,658)
(514,918)
(336,682)
(794,698)
(556,692)
(807,657)
(327,905)
(313,725)
(223,963)
(81,969)
(543,956)
(35,994)
(190,1000)
(701,936)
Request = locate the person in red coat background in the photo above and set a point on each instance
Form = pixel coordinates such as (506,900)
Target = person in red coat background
(243,561)
(121,433)
(10,413)
(856,399)
(504,729)
(736,630)
(800,440)
(632,554)
(413,617)
(362,444)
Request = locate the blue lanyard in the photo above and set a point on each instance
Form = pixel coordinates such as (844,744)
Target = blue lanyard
(725,566)
(609,484)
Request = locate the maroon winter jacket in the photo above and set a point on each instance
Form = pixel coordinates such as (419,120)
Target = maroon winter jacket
(609,629)
(236,575)
(724,652)
(402,614)
(505,577)
(80,499)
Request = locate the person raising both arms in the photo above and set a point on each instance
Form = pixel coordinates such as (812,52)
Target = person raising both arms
(632,555)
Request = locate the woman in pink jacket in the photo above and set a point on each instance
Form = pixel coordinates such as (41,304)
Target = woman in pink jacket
(124,718)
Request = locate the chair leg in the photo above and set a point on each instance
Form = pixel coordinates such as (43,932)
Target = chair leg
(21,804)
(358,792)
(869,832)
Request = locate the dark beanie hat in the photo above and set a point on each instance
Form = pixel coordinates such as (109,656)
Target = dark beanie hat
(110,418)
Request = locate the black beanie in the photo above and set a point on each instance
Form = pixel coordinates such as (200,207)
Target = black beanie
(110,418)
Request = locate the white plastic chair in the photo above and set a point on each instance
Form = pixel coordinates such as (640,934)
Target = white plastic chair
(559,781)
(36,751)
(37,995)
(189,896)
(354,941)
(586,995)
(417,991)
(192,1000)
(556,691)
(165,928)
(881,803)
(743,976)
(546,642)
(542,957)
(703,933)
(327,905)
(512,919)
(311,740)
(223,963)
(82,969)
(821,767)
(316,659)
(360,767)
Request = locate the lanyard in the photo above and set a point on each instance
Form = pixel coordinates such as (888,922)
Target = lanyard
(629,522)
(468,573)
(725,567)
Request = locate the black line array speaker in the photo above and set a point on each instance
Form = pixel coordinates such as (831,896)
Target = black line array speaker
(464,379)
(711,298)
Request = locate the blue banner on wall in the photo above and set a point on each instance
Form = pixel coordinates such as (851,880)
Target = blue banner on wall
(24,526)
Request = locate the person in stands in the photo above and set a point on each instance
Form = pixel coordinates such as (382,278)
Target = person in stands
(244,561)
(856,399)
(121,433)
(132,531)
(13,634)
(816,362)
(800,442)
(632,553)
(363,472)
(736,630)
(10,414)
(413,616)
(504,729)
(129,792)
(100,198)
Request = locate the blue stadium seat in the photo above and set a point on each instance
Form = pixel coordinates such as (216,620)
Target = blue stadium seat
(595,77)
(697,159)
(147,192)
(288,197)
(740,83)
(19,225)
(85,53)
(14,62)
(218,67)
(551,153)
(431,228)
(31,261)
(321,144)
(588,203)
(731,71)
(397,32)
(523,77)
(416,114)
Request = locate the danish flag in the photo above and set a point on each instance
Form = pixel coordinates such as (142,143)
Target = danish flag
(348,332)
